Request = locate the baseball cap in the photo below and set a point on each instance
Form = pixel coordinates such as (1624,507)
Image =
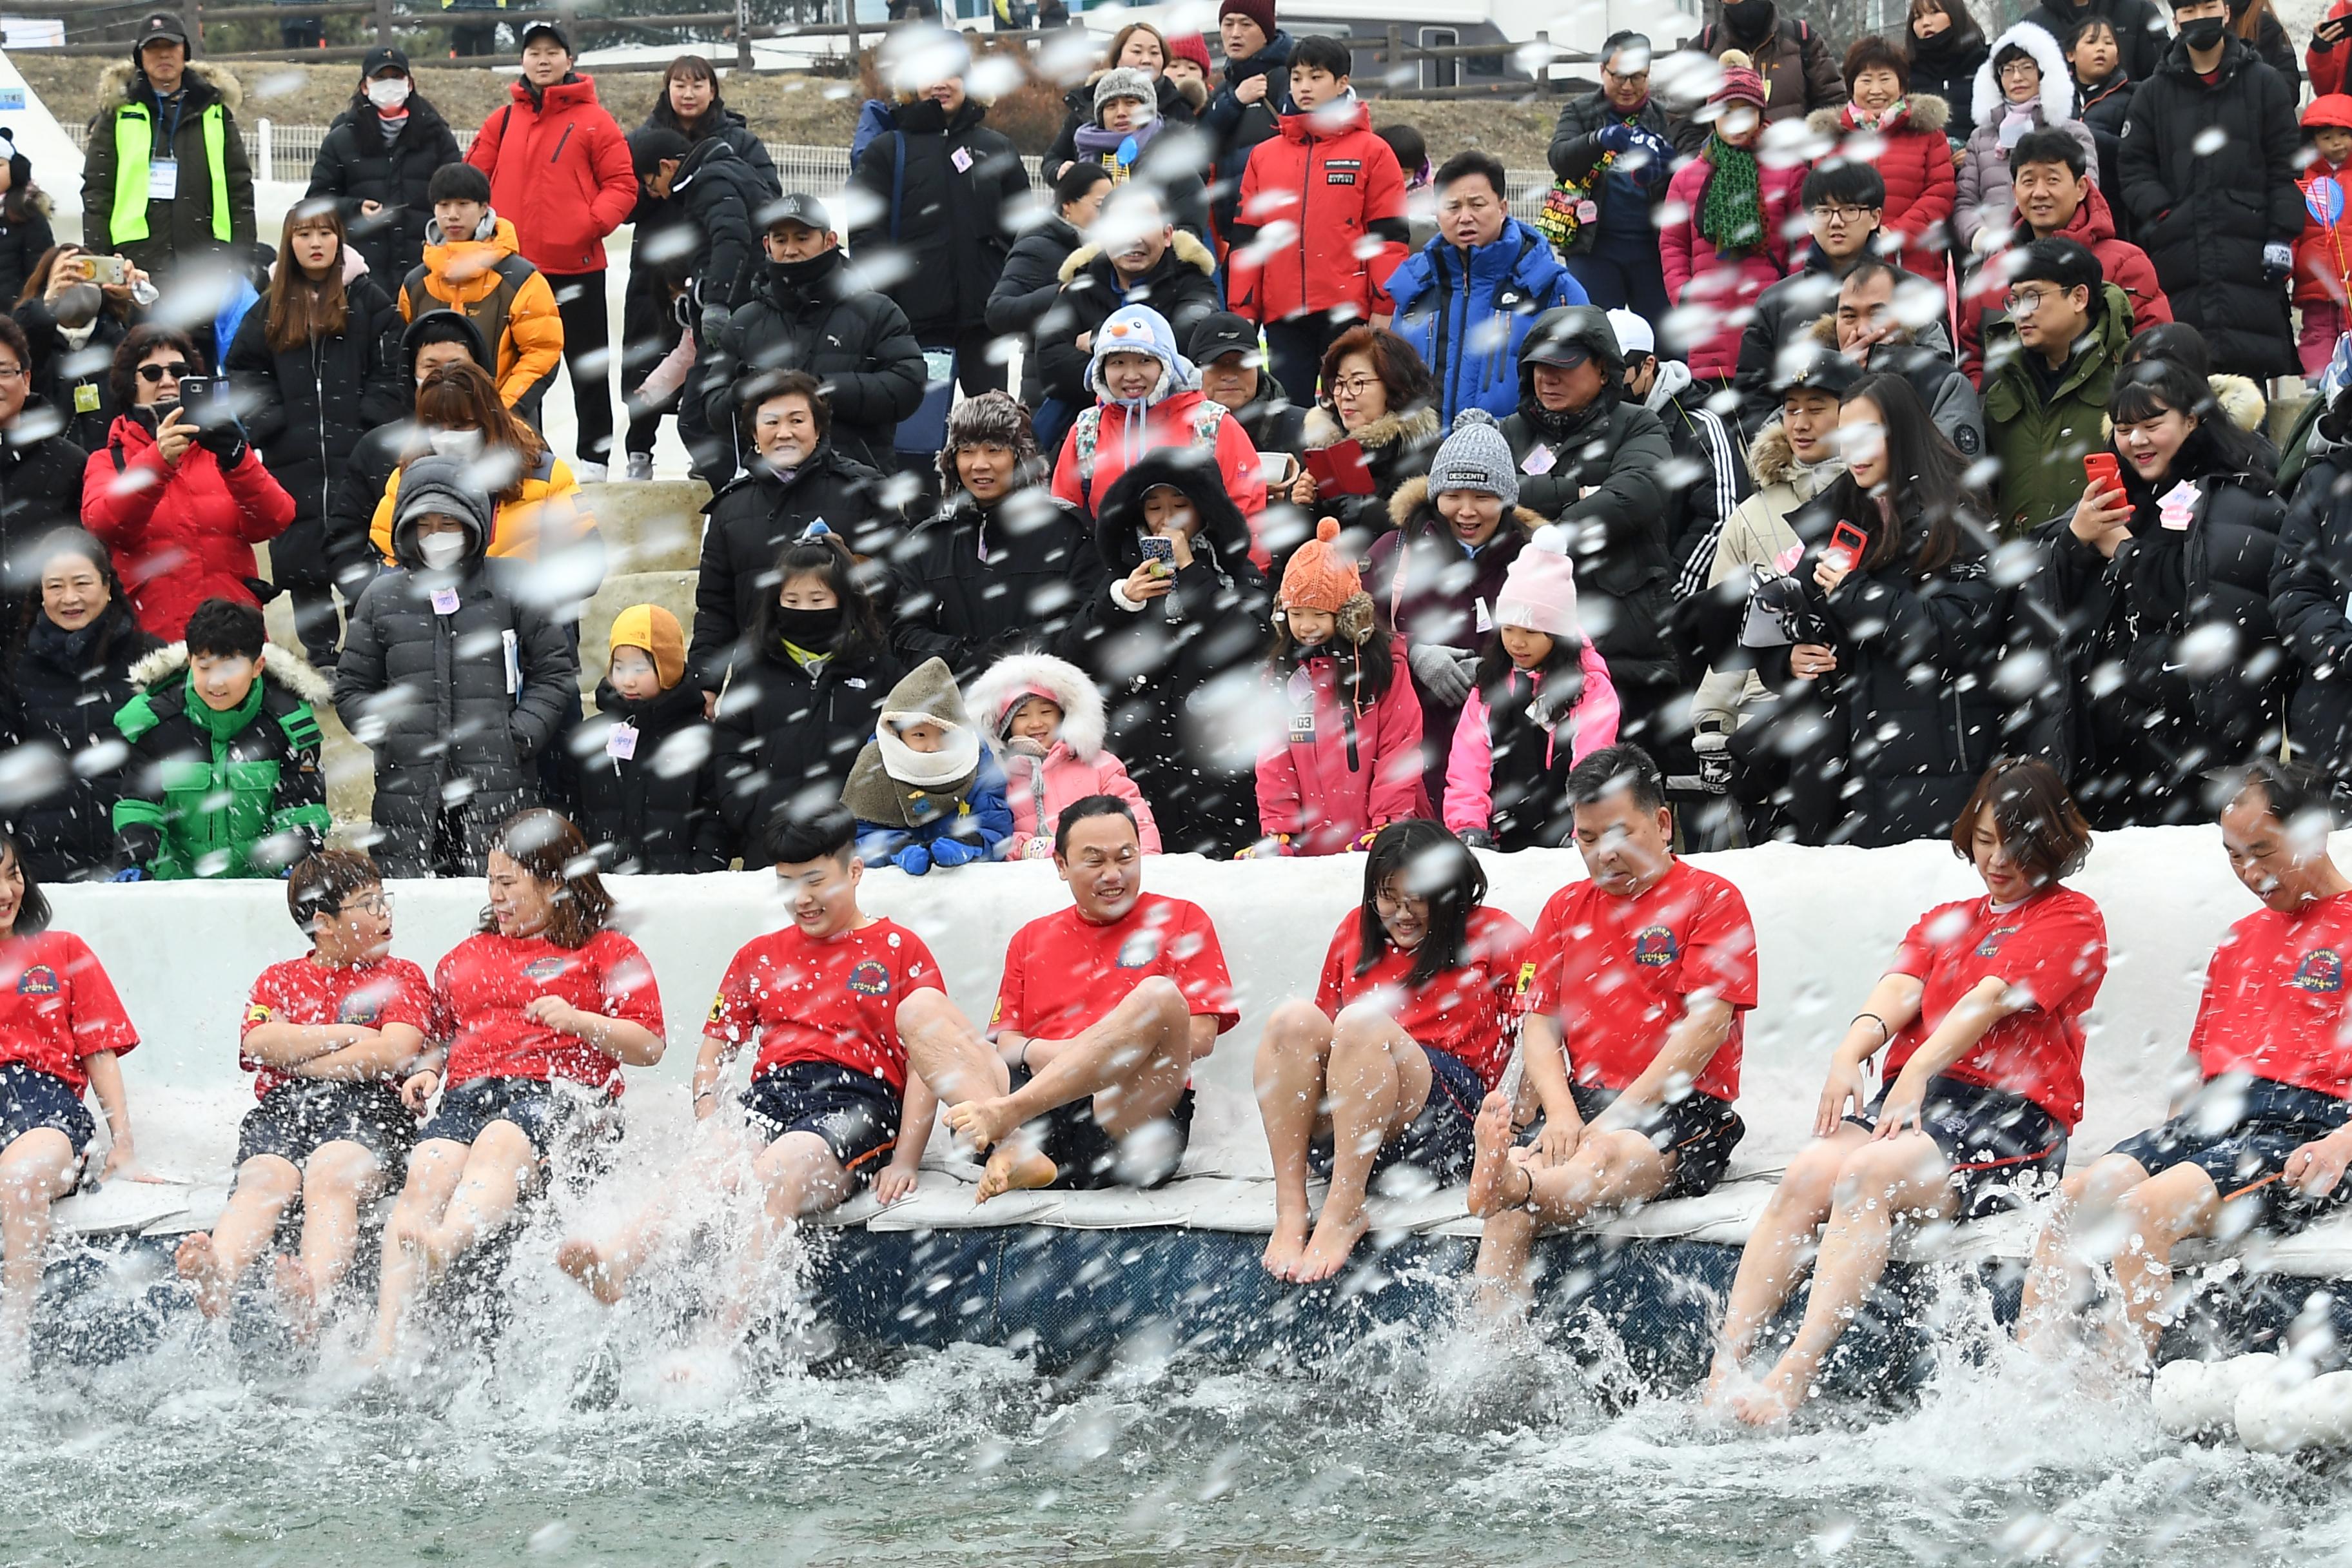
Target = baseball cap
(1224,334)
(800,208)
(164,24)
(1559,352)
(383,57)
(1634,337)
(562,40)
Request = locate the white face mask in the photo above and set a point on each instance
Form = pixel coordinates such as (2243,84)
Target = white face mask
(388,93)
(441,550)
(459,443)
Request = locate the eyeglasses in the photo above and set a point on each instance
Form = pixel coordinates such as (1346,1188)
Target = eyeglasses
(375,903)
(1354,386)
(150,374)
(1830,212)
(2025,301)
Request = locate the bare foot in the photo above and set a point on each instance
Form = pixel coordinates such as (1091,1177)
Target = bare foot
(582,1260)
(1283,1248)
(1717,1396)
(984,1123)
(1335,1238)
(1013,1168)
(197,1266)
(1772,1401)
(1490,1172)
(298,1299)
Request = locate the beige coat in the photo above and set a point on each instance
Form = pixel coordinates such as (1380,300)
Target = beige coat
(1753,536)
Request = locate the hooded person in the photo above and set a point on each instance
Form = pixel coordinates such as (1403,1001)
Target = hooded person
(648,785)
(167,181)
(456,733)
(1044,718)
(424,342)
(1708,478)
(924,790)
(2007,106)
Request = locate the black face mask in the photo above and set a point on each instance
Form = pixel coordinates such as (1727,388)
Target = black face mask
(2203,34)
(799,277)
(1748,19)
(816,630)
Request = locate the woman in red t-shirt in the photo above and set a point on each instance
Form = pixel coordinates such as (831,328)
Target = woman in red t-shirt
(62,1031)
(546,1003)
(1411,1028)
(1983,1007)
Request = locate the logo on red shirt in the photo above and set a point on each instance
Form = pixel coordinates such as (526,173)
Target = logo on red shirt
(2321,970)
(544,968)
(1990,946)
(38,980)
(870,979)
(1138,951)
(1655,946)
(360,1008)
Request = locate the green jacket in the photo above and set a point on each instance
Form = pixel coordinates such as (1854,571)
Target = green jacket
(213,207)
(234,794)
(2041,446)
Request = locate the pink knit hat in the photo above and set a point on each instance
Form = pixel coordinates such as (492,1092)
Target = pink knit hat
(1539,590)
(1742,82)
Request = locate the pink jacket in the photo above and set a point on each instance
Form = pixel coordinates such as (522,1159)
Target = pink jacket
(1337,775)
(1696,277)
(1073,766)
(1469,767)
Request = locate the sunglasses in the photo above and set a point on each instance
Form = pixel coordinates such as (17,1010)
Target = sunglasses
(154,373)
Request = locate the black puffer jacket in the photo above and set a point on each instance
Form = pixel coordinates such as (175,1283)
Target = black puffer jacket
(23,240)
(1575,152)
(655,811)
(788,735)
(1182,286)
(1948,70)
(721,124)
(73,381)
(1274,423)
(1025,291)
(356,163)
(975,583)
(1237,127)
(721,197)
(360,484)
(63,691)
(2311,587)
(945,193)
(2139,28)
(810,315)
(750,521)
(2204,214)
(2106,108)
(40,490)
(429,693)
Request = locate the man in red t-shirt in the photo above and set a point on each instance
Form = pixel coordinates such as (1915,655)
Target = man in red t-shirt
(1632,1031)
(1084,1079)
(2265,1138)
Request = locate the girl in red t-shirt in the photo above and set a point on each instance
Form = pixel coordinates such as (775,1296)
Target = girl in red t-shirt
(1983,1007)
(546,1004)
(1411,1028)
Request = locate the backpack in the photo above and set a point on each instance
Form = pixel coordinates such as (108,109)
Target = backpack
(1087,432)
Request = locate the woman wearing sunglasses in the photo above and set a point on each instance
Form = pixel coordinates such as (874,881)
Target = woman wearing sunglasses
(177,493)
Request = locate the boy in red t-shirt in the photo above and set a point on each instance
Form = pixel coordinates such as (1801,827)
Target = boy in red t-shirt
(830,1094)
(1632,1036)
(2265,1140)
(328,1037)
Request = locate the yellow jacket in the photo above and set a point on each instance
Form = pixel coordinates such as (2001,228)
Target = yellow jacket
(546,522)
(506,297)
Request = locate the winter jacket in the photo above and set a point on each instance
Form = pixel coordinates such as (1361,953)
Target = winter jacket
(1180,286)
(1709,478)
(1757,533)
(1984,199)
(1799,72)
(1726,287)
(2325,62)
(544,525)
(977,582)
(2311,587)
(1576,151)
(1466,316)
(1173,109)
(1397,449)
(1944,68)
(2141,29)
(1945,390)
(437,699)
(650,805)
(2092,227)
(721,124)
(918,810)
(1025,291)
(1912,156)
(211,209)
(73,379)
(180,535)
(2203,217)
(1782,319)
(721,196)
(560,168)
(504,296)
(1039,788)
(1340,771)
(945,195)
(1110,438)
(975,817)
(63,691)
(2276,51)
(1236,128)
(788,732)
(306,410)
(234,794)
(2322,252)
(23,242)
(2105,109)
(41,482)
(356,164)
(1507,772)
(750,521)
(812,316)
(2040,440)
(1337,185)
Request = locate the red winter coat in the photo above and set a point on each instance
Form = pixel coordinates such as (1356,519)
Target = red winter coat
(2322,252)
(1346,773)
(1727,289)
(1339,189)
(2126,266)
(560,169)
(1913,156)
(178,535)
(2325,67)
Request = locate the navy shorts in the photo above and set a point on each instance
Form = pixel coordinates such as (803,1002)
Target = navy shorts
(2243,1141)
(294,1119)
(1698,1129)
(856,1115)
(1991,1139)
(31,1100)
(551,1115)
(1089,1158)
(1441,1139)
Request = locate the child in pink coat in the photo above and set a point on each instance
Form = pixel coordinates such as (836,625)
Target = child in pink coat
(1348,762)
(1729,242)
(1544,702)
(1044,718)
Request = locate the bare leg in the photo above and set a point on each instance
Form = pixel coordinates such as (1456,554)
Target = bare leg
(798,1177)
(1609,1170)
(502,1166)
(1133,1062)
(435,1169)
(36,1170)
(339,1178)
(1495,1176)
(2162,1212)
(1291,1058)
(2058,1284)
(1779,1250)
(947,1052)
(213,1263)
(1378,1080)
(1902,1177)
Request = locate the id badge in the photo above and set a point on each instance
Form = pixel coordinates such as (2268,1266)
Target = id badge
(1483,618)
(621,743)
(86,397)
(444,601)
(163,179)
(1302,726)
(961,159)
(1538,460)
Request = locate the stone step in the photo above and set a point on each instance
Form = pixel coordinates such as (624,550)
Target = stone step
(651,527)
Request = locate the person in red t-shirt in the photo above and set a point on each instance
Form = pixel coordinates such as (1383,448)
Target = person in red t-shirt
(2264,1139)
(1411,1028)
(1983,1010)
(1632,1037)
(544,1006)
(62,1031)
(830,1092)
(1084,1079)
(327,1037)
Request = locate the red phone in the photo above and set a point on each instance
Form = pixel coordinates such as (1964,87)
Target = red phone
(2102,470)
(1846,544)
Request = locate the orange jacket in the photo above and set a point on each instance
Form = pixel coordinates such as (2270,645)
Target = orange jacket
(498,292)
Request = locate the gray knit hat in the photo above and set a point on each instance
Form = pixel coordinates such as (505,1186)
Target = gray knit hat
(1476,457)
(1126,81)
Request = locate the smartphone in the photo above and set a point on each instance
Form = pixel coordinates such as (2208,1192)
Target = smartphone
(193,389)
(1846,544)
(1161,551)
(2102,470)
(108,270)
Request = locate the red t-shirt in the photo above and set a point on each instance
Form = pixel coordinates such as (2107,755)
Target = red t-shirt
(57,1007)
(2274,1003)
(2055,947)
(1466,1012)
(1063,973)
(832,1001)
(1616,973)
(487,980)
(300,991)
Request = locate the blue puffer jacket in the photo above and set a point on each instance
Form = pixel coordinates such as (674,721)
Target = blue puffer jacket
(1448,314)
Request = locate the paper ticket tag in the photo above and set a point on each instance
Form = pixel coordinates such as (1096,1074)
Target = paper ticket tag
(621,743)
(86,397)
(164,180)
(2178,510)
(1481,617)
(444,601)
(961,159)
(1537,461)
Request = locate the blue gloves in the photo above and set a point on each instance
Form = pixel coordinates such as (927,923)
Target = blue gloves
(914,859)
(129,874)
(954,852)
(1658,153)
(2278,261)
(1616,136)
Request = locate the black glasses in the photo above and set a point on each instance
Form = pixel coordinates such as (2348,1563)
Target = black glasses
(154,373)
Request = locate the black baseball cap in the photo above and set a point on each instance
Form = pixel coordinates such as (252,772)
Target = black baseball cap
(1557,350)
(800,208)
(1223,333)
(383,57)
(552,31)
(163,24)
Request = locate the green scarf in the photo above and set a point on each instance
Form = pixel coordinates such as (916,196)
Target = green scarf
(223,725)
(1731,208)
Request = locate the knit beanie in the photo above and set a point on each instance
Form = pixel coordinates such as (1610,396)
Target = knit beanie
(1125,81)
(1742,82)
(654,631)
(1318,577)
(1191,47)
(1258,11)
(1476,457)
(1539,590)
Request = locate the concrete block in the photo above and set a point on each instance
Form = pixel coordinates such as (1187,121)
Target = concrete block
(673,591)
(649,527)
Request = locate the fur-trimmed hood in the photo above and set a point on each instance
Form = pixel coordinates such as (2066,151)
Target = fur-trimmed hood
(1006,682)
(2241,400)
(286,667)
(1774,462)
(2057,78)
(1408,428)
(1921,112)
(1188,250)
(1412,499)
(114,84)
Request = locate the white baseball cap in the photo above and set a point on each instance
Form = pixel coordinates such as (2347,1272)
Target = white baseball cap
(1634,337)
